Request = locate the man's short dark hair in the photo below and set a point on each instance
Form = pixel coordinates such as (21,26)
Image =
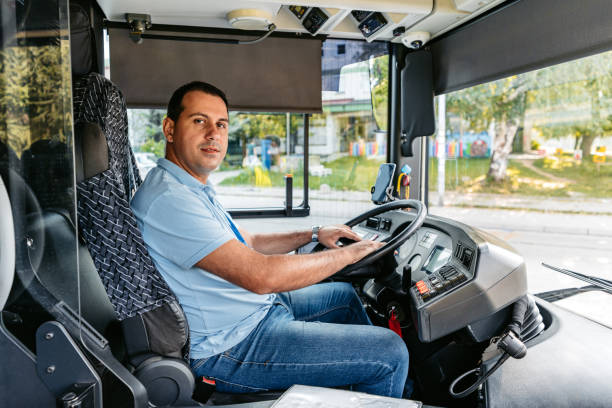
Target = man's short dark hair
(175,106)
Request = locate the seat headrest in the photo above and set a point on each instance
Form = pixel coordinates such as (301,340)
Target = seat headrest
(90,150)
(82,51)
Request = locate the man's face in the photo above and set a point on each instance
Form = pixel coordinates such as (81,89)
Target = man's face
(197,141)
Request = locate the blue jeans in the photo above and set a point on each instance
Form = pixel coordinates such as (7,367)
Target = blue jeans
(300,341)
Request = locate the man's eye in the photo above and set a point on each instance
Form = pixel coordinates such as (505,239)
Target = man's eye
(222,125)
(199,121)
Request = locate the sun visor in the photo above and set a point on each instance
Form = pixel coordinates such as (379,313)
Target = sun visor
(521,37)
(276,75)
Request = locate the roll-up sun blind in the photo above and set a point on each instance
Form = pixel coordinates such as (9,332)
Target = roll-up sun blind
(521,37)
(275,75)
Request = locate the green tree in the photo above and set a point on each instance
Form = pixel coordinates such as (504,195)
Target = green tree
(35,103)
(379,83)
(498,105)
(158,148)
(246,126)
(581,91)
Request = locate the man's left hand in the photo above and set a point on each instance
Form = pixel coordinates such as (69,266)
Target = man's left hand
(329,236)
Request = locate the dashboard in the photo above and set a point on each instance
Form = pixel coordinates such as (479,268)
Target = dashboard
(453,275)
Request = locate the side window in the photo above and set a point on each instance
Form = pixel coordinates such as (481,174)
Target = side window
(262,149)
(531,154)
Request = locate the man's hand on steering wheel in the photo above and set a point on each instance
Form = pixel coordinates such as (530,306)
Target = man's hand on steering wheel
(362,248)
(329,235)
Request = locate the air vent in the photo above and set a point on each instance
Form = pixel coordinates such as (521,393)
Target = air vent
(458,251)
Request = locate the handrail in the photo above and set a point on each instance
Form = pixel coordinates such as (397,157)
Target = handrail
(7,246)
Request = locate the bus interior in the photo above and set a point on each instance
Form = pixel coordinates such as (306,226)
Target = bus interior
(87,320)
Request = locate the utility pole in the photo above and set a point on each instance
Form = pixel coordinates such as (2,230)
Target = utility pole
(441,142)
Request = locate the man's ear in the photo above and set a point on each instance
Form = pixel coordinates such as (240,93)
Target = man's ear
(168,128)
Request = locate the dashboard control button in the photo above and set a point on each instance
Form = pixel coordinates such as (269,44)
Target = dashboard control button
(385,224)
(372,222)
(422,287)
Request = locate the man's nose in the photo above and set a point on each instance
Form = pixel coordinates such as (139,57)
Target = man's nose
(212,132)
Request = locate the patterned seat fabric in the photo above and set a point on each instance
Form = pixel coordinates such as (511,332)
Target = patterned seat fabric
(151,317)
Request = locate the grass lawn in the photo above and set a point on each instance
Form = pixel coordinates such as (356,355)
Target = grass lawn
(590,180)
(348,173)
(561,177)
(566,178)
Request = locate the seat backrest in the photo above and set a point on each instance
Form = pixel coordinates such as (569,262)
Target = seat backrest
(141,298)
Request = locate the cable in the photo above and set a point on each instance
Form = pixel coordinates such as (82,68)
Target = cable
(271,28)
(479,382)
(526,323)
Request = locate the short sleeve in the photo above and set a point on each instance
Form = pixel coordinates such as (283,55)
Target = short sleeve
(181,228)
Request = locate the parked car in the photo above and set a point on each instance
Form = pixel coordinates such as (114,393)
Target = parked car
(146,161)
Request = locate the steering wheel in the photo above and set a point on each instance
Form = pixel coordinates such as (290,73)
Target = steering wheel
(401,236)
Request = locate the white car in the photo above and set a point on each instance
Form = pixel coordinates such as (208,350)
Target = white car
(145,161)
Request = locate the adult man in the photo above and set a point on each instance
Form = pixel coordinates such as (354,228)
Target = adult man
(256,323)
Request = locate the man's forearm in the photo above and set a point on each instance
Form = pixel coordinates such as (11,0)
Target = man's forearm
(261,273)
(280,242)
(290,272)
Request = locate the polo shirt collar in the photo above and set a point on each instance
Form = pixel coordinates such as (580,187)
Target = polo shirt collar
(183,177)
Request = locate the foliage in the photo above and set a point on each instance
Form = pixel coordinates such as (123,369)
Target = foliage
(379,81)
(146,124)
(258,126)
(158,148)
(581,91)
(500,103)
(570,99)
(35,102)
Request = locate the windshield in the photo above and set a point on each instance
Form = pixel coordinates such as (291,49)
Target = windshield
(528,158)
(347,141)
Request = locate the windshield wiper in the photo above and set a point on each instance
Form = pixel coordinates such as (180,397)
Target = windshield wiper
(594,282)
(554,295)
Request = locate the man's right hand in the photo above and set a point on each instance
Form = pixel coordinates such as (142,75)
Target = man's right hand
(362,248)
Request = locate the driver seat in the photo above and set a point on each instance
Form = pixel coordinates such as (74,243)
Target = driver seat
(155,330)
(154,325)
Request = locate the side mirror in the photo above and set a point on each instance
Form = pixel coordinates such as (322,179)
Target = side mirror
(417,99)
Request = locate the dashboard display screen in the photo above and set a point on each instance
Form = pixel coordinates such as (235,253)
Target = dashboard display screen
(437,259)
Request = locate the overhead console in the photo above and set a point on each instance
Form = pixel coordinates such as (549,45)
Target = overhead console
(370,25)
(403,21)
(453,275)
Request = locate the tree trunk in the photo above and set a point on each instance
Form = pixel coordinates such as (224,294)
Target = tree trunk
(587,142)
(504,136)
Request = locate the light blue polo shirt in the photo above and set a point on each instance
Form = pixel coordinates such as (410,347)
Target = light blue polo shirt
(181,222)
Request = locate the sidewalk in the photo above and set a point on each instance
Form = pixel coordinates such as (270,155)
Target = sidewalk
(575,205)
